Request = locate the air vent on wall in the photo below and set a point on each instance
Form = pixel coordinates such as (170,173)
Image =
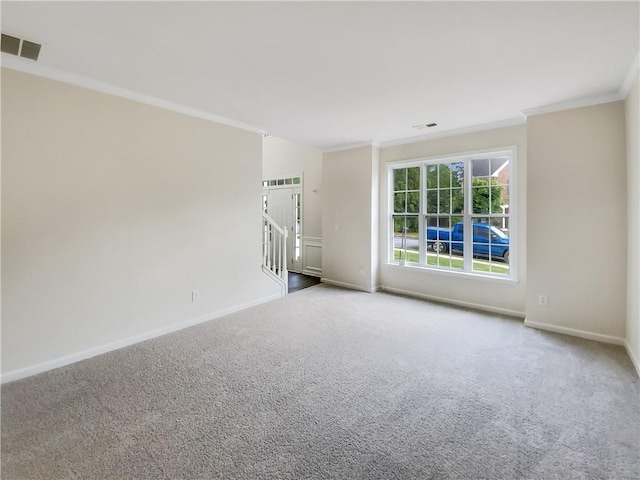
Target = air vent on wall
(22,48)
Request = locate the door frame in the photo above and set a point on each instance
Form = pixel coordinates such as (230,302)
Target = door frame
(280,184)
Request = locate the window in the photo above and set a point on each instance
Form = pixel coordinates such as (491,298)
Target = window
(297,218)
(434,202)
(281,181)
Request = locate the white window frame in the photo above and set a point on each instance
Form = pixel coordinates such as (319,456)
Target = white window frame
(467,214)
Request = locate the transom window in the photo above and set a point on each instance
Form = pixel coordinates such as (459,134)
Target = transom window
(453,213)
(281,181)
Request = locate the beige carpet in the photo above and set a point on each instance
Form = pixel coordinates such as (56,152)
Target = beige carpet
(333,384)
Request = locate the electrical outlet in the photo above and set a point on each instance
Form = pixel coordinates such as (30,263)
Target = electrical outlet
(542,300)
(195,295)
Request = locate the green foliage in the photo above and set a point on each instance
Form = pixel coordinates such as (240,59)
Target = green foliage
(406,179)
(405,224)
(406,184)
(445,194)
(448,178)
(445,175)
(487,195)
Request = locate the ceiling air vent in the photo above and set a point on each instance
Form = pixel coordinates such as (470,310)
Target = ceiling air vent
(420,126)
(22,48)
(10,44)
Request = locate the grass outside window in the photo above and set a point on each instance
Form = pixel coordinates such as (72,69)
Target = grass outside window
(453,262)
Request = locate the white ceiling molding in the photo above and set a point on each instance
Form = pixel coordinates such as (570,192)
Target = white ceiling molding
(631,76)
(338,148)
(33,68)
(578,103)
(455,132)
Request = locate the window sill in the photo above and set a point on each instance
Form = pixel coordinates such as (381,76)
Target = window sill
(450,273)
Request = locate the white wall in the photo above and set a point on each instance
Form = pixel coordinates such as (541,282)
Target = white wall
(632,105)
(577,230)
(349,208)
(508,297)
(112,213)
(283,158)
(375,218)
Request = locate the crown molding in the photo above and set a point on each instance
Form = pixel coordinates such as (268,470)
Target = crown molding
(571,104)
(337,148)
(455,132)
(28,66)
(634,68)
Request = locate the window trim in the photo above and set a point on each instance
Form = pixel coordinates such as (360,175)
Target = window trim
(511,150)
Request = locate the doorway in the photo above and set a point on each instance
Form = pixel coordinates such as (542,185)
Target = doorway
(282,201)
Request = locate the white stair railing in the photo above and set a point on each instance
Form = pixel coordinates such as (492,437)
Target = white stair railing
(274,251)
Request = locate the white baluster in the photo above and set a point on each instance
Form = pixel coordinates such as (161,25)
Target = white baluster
(285,276)
(273,246)
(280,259)
(269,259)
(264,242)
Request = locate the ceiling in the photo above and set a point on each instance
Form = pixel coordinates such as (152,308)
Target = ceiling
(340,73)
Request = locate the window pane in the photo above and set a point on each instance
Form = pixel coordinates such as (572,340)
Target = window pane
(480,195)
(457,174)
(399,202)
(502,178)
(400,179)
(445,175)
(398,225)
(457,200)
(455,220)
(444,242)
(444,205)
(405,238)
(413,202)
(412,226)
(288,181)
(296,181)
(432,201)
(413,178)
(498,164)
(298,239)
(480,168)
(497,193)
(500,184)
(432,176)
(490,246)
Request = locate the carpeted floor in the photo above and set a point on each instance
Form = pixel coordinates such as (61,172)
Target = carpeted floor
(333,384)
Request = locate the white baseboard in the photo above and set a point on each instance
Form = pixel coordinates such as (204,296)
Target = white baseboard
(125,342)
(598,337)
(312,273)
(633,358)
(350,286)
(458,303)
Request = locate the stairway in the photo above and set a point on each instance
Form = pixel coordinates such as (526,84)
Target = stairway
(274,252)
